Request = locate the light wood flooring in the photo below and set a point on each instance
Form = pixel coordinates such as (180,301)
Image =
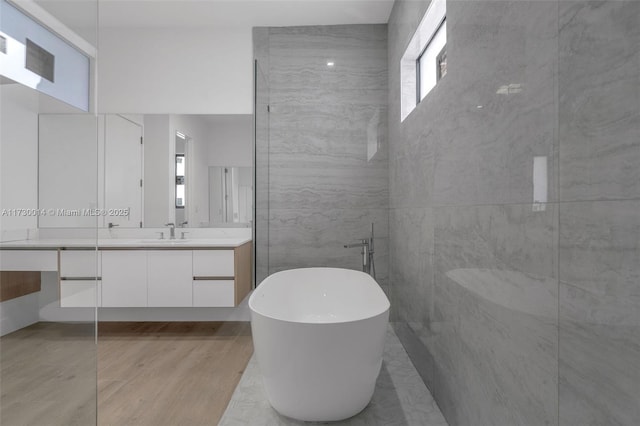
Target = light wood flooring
(48,375)
(147,373)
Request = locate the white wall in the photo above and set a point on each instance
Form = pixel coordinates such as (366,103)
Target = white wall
(68,159)
(18,313)
(231,140)
(160,71)
(18,154)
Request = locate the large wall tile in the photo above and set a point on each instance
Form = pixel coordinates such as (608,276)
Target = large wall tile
(411,268)
(299,56)
(325,158)
(322,188)
(599,89)
(500,102)
(465,155)
(505,237)
(496,306)
(472,140)
(559,79)
(600,313)
(306,238)
(412,171)
(335,135)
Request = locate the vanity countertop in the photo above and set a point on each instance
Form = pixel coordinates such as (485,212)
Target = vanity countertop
(122,243)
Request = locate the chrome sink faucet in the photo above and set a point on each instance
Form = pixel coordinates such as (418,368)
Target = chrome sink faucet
(172,230)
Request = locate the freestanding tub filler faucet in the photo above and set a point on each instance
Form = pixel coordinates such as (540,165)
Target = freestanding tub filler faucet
(367,252)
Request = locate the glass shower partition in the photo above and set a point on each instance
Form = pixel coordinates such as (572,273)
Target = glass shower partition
(261,161)
(49,278)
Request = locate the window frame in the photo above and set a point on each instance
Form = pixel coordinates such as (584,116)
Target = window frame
(175,198)
(419,58)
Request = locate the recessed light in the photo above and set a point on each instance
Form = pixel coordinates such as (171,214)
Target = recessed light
(331,63)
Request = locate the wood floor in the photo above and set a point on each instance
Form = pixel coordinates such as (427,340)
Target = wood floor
(48,375)
(169,373)
(147,373)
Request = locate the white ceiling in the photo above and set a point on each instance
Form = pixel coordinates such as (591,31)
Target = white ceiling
(216,13)
(229,76)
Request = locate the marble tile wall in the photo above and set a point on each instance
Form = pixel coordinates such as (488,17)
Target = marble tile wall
(599,100)
(494,326)
(599,297)
(599,246)
(323,166)
(514,316)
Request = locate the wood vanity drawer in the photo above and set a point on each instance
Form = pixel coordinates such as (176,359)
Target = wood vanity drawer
(213,293)
(80,293)
(80,263)
(213,263)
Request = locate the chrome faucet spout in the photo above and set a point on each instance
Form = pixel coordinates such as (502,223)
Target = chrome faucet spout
(359,244)
(364,244)
(172,230)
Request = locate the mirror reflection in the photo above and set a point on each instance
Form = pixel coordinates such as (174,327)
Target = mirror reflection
(230,194)
(153,169)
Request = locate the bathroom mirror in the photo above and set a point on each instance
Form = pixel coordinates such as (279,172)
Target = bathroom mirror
(153,169)
(230,194)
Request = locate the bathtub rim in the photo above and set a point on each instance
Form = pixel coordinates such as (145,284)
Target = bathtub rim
(255,294)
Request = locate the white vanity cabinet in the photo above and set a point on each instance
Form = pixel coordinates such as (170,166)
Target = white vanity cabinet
(80,284)
(132,276)
(221,278)
(213,293)
(214,278)
(29,260)
(213,263)
(124,278)
(169,275)
(164,278)
(80,263)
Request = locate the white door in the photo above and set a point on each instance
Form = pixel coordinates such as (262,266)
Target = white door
(123,171)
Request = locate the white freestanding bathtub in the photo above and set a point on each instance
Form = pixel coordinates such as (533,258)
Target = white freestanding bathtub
(318,335)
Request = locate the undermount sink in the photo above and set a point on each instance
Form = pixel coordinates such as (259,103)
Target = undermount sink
(163,241)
